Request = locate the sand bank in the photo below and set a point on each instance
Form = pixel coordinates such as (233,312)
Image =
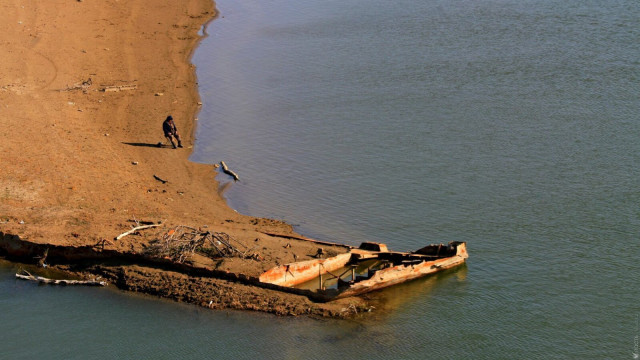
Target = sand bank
(78,162)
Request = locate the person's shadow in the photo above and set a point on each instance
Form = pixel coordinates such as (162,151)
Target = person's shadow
(157,145)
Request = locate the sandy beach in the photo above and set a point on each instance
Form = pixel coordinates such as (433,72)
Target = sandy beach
(84,88)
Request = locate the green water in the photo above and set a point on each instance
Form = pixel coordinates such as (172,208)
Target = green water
(512,125)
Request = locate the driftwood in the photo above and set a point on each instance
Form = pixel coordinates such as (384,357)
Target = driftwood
(120,87)
(84,86)
(42,262)
(287,236)
(182,242)
(142,227)
(160,179)
(44,280)
(101,243)
(178,244)
(229,172)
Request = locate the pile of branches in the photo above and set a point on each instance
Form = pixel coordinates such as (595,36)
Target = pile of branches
(181,242)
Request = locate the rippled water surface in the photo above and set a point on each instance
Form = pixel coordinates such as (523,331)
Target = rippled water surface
(512,125)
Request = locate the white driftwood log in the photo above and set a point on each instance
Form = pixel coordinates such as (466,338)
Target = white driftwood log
(120,87)
(136,229)
(44,280)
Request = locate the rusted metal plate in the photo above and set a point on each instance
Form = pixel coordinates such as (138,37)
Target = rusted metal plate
(299,272)
(403,273)
(406,267)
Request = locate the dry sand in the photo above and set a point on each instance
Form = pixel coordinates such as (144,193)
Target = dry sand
(78,162)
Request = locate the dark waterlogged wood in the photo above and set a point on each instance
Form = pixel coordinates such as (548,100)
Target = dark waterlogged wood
(160,179)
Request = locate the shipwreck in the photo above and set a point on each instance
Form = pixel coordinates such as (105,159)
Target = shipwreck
(334,271)
(367,268)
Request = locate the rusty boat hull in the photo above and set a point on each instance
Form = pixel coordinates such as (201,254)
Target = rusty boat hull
(370,267)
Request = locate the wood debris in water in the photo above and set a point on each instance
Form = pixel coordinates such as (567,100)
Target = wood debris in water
(25,275)
(226,170)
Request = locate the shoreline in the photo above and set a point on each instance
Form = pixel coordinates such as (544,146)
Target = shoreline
(81,162)
(192,50)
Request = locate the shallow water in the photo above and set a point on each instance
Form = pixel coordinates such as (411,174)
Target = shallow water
(511,125)
(98,323)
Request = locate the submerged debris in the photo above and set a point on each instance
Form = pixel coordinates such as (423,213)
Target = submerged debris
(370,267)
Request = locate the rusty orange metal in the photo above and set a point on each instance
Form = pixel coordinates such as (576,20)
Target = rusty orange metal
(299,272)
(392,268)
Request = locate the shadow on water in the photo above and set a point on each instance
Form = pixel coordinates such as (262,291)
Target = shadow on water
(224,187)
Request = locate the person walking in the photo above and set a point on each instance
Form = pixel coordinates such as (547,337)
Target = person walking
(170,130)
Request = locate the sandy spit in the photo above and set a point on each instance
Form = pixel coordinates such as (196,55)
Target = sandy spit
(84,88)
